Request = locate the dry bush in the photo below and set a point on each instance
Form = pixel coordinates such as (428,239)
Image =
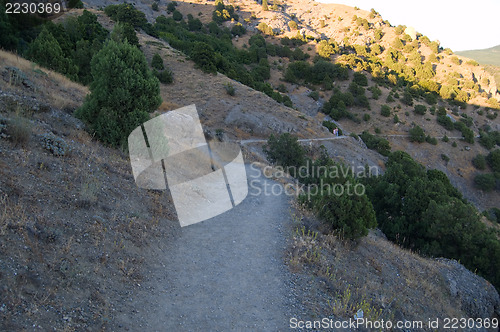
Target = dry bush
(19,129)
(62,103)
(11,215)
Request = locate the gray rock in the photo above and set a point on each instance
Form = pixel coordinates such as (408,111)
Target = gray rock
(476,296)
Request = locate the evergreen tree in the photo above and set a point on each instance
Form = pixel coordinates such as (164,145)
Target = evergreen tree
(89,28)
(350,213)
(493,159)
(45,51)
(284,150)
(125,32)
(325,49)
(417,134)
(157,62)
(204,57)
(122,93)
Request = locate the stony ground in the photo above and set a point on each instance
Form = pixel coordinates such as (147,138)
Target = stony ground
(228,272)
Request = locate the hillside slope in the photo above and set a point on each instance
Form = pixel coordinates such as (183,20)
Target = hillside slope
(487,56)
(82,247)
(356,34)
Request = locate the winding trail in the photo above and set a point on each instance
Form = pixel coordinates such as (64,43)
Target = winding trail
(227,273)
(305,140)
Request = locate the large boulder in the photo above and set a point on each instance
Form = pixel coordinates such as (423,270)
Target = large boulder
(476,296)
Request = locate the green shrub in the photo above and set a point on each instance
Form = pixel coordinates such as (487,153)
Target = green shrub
(479,162)
(325,49)
(230,89)
(366,117)
(417,134)
(264,5)
(157,62)
(126,13)
(46,51)
(467,133)
(360,79)
(420,109)
(194,24)
(407,98)
(378,144)
(493,160)
(171,6)
(431,140)
(485,182)
(397,43)
(487,140)
(164,76)
(238,29)
(284,150)
(314,95)
(125,32)
(154,6)
(420,209)
(177,15)
(395,119)
(376,92)
(385,110)
(282,88)
(293,25)
(122,94)
(445,157)
(445,121)
(493,214)
(204,57)
(265,29)
(351,215)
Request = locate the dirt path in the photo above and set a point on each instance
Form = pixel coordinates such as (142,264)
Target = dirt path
(227,273)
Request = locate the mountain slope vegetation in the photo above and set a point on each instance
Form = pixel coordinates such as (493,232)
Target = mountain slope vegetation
(428,116)
(487,56)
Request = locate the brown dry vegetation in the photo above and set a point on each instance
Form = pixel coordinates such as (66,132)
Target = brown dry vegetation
(374,275)
(77,235)
(75,232)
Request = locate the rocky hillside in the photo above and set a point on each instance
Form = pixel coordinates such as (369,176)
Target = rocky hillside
(60,188)
(403,69)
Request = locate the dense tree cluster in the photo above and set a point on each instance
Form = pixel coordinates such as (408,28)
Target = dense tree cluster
(316,73)
(68,47)
(421,210)
(223,13)
(379,144)
(329,187)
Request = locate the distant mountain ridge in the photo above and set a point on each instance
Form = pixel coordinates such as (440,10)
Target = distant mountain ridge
(487,56)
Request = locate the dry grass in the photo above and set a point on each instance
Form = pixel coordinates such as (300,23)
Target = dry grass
(11,215)
(19,129)
(373,274)
(57,89)
(61,102)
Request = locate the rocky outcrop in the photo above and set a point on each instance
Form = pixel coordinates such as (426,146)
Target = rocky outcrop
(475,296)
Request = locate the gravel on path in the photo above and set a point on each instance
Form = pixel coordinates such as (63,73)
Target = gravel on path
(228,273)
